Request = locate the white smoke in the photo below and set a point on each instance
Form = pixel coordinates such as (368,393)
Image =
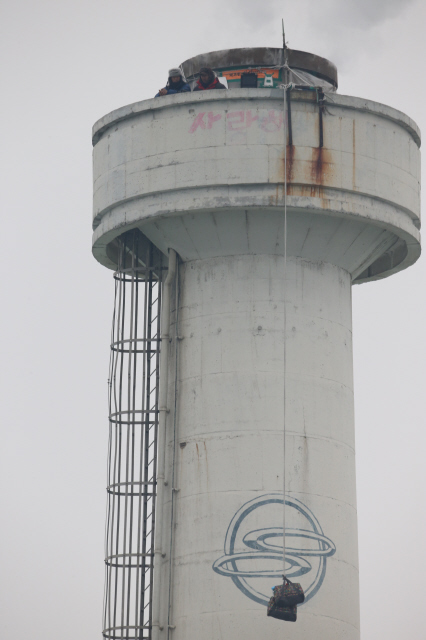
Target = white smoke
(363,14)
(367,14)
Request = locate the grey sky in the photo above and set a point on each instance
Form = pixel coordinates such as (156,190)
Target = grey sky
(65,64)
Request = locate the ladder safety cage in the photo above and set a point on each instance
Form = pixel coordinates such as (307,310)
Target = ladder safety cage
(133,388)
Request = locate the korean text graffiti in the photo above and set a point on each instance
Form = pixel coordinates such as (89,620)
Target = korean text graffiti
(269,121)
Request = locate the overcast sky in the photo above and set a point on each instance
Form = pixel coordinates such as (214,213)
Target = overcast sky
(64,65)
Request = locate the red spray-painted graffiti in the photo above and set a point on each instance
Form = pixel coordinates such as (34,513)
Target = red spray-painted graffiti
(240,120)
(199,121)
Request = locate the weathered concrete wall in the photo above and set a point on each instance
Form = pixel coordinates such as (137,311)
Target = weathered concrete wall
(229,449)
(160,159)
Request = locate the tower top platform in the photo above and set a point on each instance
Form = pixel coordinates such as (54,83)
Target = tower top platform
(228,62)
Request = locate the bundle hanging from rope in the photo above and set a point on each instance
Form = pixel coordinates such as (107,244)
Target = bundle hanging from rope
(286,597)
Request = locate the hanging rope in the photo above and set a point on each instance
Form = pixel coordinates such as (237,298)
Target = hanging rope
(286,78)
(285,316)
(286,597)
(287,87)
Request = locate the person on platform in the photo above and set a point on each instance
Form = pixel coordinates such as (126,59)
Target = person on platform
(208,80)
(175,84)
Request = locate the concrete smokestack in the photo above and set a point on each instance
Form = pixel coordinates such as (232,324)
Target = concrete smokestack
(203,174)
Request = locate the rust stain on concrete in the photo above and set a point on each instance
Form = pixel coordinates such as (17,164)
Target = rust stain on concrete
(320,166)
(291,150)
(304,178)
(353,155)
(207,464)
(198,459)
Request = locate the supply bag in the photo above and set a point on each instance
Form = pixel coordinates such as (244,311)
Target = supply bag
(288,594)
(289,614)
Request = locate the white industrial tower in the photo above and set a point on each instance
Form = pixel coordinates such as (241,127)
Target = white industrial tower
(189,197)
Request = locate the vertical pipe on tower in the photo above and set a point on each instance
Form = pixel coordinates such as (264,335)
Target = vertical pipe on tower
(157,622)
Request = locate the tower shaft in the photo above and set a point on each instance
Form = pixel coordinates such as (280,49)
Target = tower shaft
(226,447)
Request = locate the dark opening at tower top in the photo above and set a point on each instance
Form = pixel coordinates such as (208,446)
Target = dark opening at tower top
(267,61)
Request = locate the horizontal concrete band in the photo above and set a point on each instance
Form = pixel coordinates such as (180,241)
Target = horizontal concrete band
(213,196)
(147,211)
(167,102)
(266,196)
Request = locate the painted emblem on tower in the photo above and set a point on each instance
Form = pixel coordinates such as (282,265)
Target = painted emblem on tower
(253,553)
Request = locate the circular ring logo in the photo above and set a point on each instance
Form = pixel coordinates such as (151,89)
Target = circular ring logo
(253,557)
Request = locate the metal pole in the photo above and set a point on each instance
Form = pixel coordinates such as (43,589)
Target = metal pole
(157,623)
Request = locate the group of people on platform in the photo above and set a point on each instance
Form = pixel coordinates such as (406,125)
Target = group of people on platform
(177,82)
